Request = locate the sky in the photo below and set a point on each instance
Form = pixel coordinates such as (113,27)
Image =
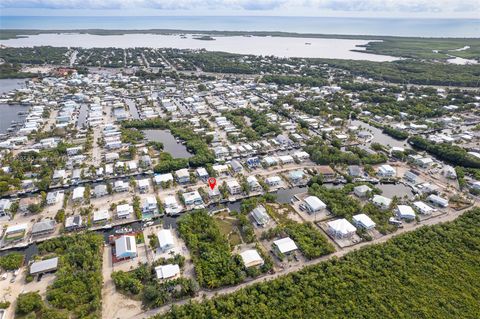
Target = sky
(322,8)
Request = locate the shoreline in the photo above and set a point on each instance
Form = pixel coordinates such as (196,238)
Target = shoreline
(6,34)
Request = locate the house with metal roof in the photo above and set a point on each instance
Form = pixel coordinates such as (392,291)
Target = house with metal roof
(169,271)
(251,258)
(314,204)
(165,240)
(125,247)
(44,266)
(43,227)
(285,245)
(259,214)
(341,228)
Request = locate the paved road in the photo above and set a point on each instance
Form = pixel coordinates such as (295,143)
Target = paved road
(450,216)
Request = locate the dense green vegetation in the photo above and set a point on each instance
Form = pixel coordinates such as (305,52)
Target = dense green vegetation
(142,282)
(397,134)
(291,80)
(438,266)
(309,240)
(215,266)
(415,72)
(423,48)
(35,55)
(454,154)
(11,261)
(260,125)
(10,71)
(324,154)
(78,284)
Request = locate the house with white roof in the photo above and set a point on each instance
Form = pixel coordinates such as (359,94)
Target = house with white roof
(165,240)
(381,202)
(143,185)
(363,221)
(341,228)
(314,204)
(285,246)
(171,205)
(386,171)
(169,271)
(253,184)
(362,191)
(150,205)
(183,175)
(437,200)
(120,186)
(233,187)
(259,214)
(192,198)
(124,211)
(423,208)
(273,181)
(100,216)
(251,258)
(163,178)
(78,193)
(405,212)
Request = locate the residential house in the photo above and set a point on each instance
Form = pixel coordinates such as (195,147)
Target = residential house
(233,187)
(363,221)
(405,212)
(150,205)
(273,181)
(100,190)
(183,175)
(192,198)
(381,202)
(251,258)
(253,184)
(386,171)
(285,246)
(437,200)
(314,204)
(341,228)
(362,191)
(165,240)
(259,214)
(44,227)
(125,247)
(120,186)
(124,211)
(74,222)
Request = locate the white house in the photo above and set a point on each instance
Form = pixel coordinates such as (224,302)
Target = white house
(363,221)
(150,205)
(422,208)
(143,185)
(381,201)
(362,191)
(165,240)
(183,175)
(341,228)
(78,193)
(253,184)
(437,200)
(259,214)
(405,212)
(163,178)
(233,187)
(124,211)
(192,198)
(251,258)
(53,198)
(314,204)
(386,171)
(273,181)
(285,245)
(168,271)
(120,186)
(171,205)
(100,216)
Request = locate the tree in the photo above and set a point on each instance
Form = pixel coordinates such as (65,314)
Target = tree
(28,302)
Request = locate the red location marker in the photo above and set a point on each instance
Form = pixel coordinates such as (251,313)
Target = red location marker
(212,182)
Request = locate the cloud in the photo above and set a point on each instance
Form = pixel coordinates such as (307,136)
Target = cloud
(236,6)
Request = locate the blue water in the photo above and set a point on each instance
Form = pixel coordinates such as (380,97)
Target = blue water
(352,26)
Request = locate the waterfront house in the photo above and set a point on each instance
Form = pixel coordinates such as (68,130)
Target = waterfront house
(125,247)
(314,204)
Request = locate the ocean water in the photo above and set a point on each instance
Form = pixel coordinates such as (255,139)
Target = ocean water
(322,25)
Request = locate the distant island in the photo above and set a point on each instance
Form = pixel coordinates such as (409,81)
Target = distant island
(205,38)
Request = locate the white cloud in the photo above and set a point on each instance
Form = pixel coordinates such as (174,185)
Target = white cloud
(441,8)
